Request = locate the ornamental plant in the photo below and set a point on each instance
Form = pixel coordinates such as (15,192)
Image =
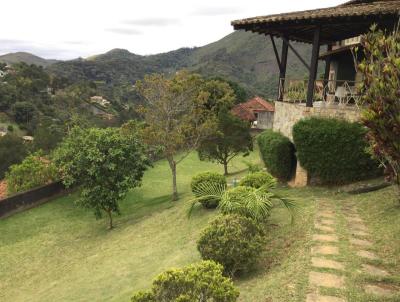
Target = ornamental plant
(200,282)
(381,97)
(257,180)
(234,241)
(206,179)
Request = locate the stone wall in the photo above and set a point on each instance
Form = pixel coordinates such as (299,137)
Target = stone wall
(288,114)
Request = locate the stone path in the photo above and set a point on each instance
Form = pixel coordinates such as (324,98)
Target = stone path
(329,273)
(326,240)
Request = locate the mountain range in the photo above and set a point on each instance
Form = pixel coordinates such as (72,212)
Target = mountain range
(245,58)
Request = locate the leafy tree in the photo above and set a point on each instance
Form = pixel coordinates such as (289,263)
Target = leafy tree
(34,171)
(105,162)
(381,74)
(241,94)
(23,112)
(231,139)
(200,282)
(47,135)
(12,151)
(176,116)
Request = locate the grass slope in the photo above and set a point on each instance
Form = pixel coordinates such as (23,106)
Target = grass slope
(58,252)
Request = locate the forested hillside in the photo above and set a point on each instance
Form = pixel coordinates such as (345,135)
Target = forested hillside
(245,58)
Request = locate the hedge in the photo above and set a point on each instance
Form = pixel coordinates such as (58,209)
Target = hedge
(278,154)
(333,151)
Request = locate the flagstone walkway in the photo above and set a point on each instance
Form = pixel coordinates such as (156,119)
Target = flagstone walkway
(327,274)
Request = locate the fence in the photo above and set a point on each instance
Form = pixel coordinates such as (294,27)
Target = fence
(30,198)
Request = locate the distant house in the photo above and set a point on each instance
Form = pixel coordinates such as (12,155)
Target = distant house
(257,111)
(3,133)
(99,100)
(27,138)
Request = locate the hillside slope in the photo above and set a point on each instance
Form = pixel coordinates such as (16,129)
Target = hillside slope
(242,57)
(16,57)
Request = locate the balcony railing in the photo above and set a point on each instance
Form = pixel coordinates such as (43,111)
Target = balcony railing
(325,91)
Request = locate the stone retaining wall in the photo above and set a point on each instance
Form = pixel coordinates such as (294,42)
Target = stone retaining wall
(288,114)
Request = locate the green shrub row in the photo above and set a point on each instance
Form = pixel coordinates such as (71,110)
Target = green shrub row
(278,154)
(207,179)
(333,151)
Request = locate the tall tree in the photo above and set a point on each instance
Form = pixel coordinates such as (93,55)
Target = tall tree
(106,163)
(12,151)
(381,74)
(231,139)
(176,116)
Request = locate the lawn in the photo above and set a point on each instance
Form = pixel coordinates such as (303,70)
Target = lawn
(58,252)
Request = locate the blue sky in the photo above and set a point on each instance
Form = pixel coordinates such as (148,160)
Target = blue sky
(61,29)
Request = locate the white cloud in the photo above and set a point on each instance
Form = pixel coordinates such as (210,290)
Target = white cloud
(67,29)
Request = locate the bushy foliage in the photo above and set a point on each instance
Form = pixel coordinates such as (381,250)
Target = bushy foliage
(333,151)
(381,82)
(34,171)
(204,179)
(278,154)
(106,163)
(12,151)
(201,281)
(234,241)
(257,180)
(231,139)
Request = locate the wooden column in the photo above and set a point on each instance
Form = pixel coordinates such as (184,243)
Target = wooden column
(282,67)
(327,71)
(313,67)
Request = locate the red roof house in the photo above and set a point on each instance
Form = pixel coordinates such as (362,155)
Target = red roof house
(256,110)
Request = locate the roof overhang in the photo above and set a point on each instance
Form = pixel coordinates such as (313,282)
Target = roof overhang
(337,23)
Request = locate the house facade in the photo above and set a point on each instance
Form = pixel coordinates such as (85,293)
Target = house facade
(257,111)
(336,29)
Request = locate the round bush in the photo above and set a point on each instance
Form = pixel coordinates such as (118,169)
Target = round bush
(333,151)
(202,281)
(234,241)
(257,180)
(203,180)
(278,154)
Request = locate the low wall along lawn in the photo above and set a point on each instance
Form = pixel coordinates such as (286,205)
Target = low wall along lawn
(29,199)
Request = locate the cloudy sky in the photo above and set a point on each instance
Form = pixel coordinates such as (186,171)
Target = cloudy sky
(66,29)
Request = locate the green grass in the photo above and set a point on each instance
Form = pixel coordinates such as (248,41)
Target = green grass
(58,252)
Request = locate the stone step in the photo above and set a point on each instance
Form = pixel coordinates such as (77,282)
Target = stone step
(378,290)
(374,271)
(368,255)
(326,280)
(361,242)
(326,263)
(325,250)
(319,298)
(324,228)
(326,238)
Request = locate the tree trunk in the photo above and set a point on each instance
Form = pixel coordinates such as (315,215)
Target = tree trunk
(110,221)
(172,165)
(225,168)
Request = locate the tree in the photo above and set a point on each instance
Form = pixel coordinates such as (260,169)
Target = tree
(34,171)
(106,163)
(23,112)
(232,138)
(176,116)
(12,151)
(381,82)
(47,135)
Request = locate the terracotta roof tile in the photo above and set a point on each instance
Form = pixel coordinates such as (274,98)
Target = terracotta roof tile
(243,113)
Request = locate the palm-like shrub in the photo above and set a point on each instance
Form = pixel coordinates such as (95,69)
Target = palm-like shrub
(258,180)
(246,201)
(197,282)
(234,241)
(203,180)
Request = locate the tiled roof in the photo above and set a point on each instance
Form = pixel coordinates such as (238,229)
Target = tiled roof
(242,112)
(352,8)
(259,104)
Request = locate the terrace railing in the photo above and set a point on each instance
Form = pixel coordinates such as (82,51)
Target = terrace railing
(325,91)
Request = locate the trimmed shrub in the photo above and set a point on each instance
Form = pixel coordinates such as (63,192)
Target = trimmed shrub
(204,179)
(202,281)
(257,180)
(234,241)
(333,151)
(278,154)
